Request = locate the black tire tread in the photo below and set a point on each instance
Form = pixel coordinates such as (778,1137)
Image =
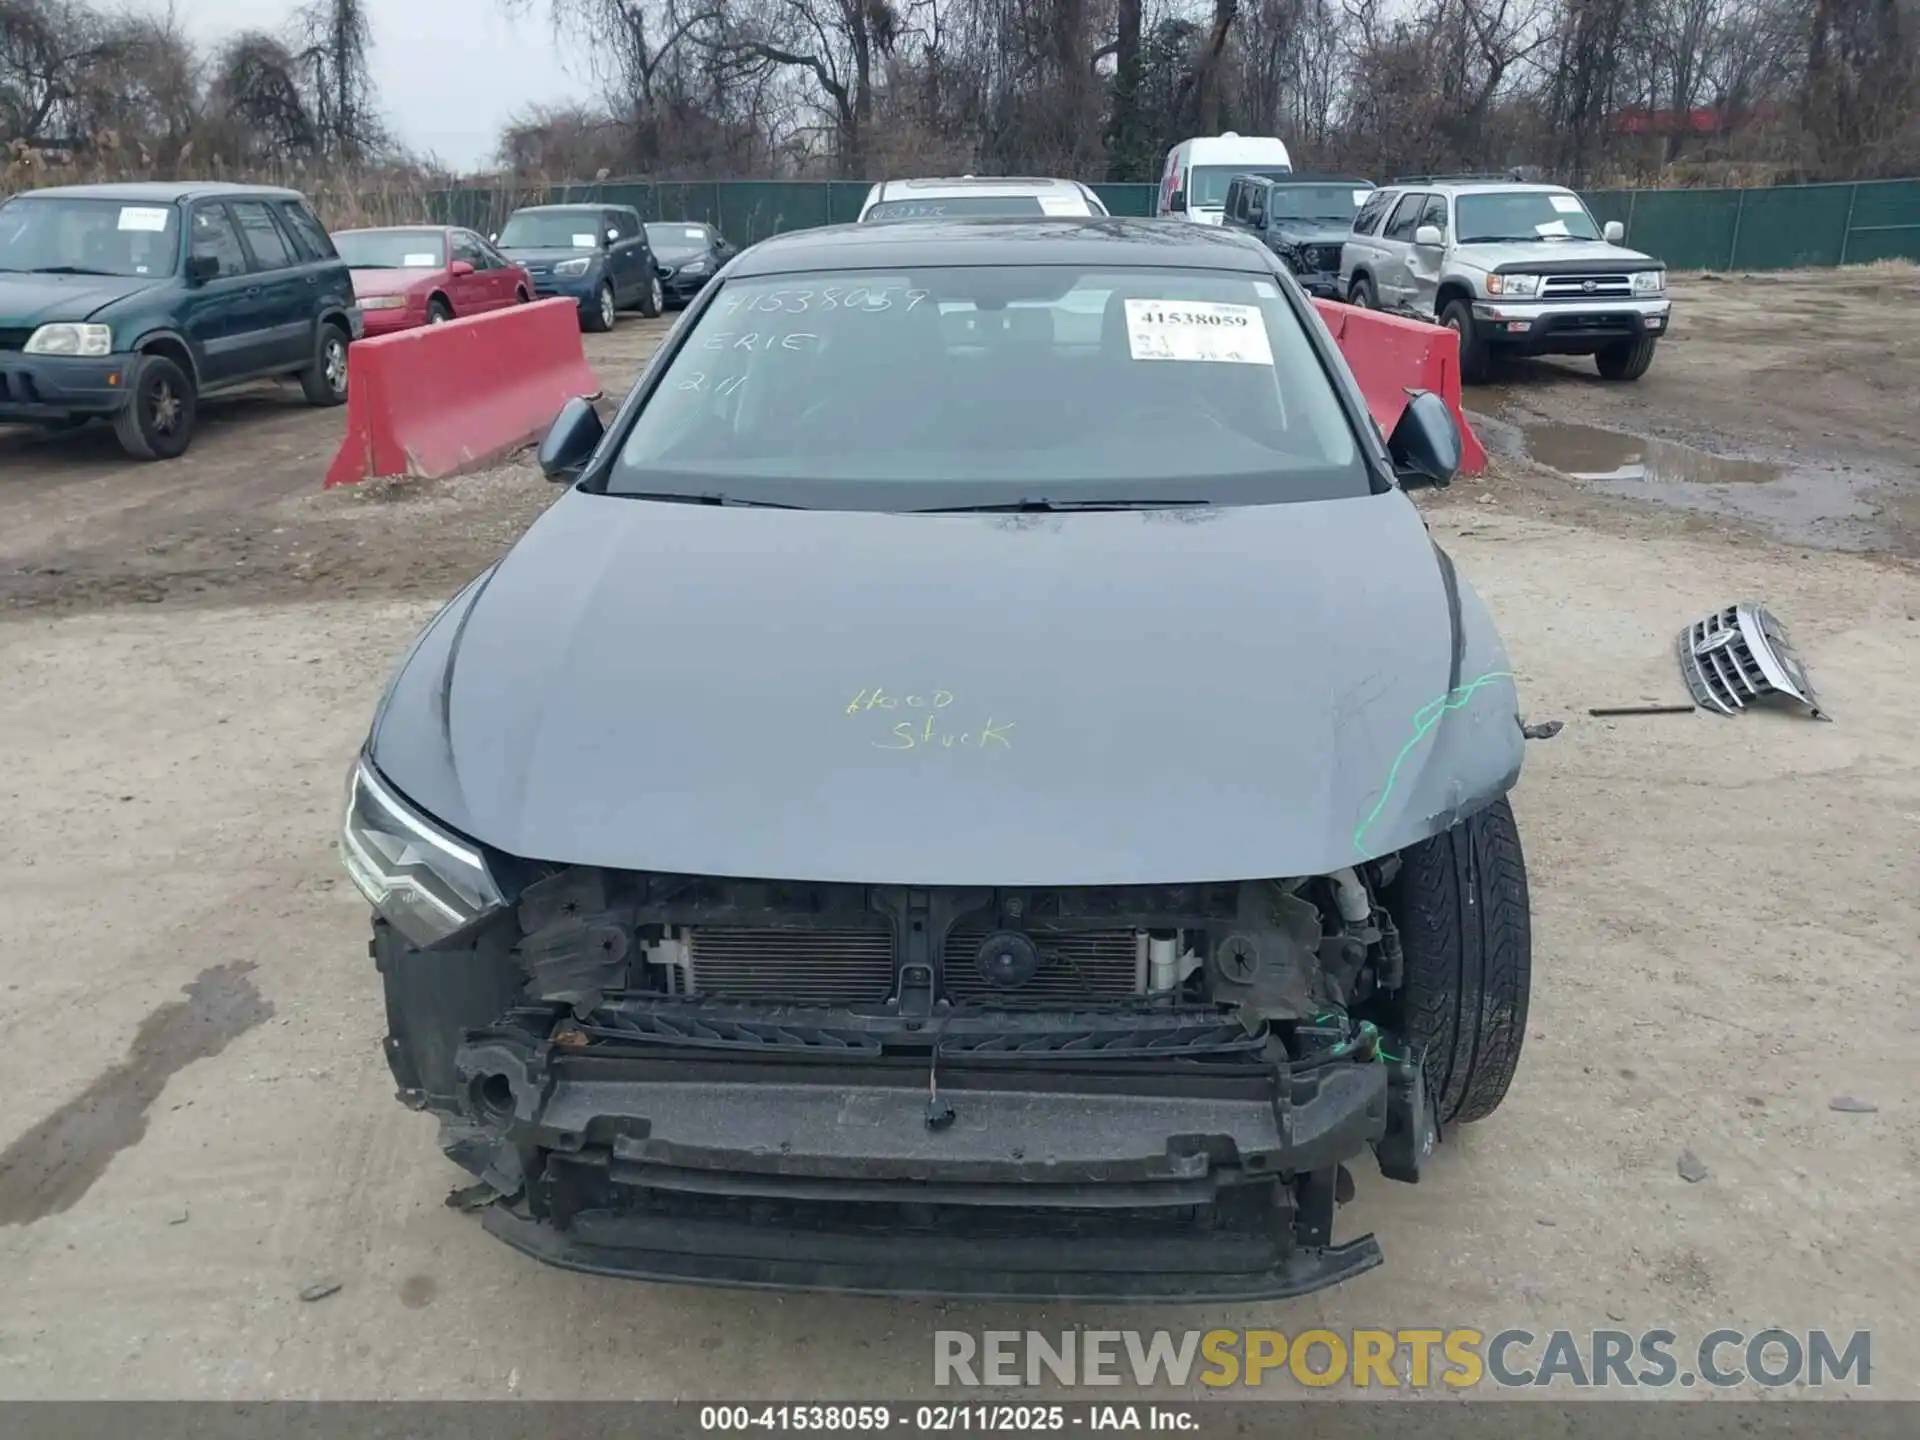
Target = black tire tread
(127,426)
(1476,360)
(1628,360)
(1460,902)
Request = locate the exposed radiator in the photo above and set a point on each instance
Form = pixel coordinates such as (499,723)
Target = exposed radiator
(803,967)
(1092,965)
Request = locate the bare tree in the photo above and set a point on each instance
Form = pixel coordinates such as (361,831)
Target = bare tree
(335,37)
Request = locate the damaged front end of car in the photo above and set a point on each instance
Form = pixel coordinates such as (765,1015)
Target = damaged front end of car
(1141,1092)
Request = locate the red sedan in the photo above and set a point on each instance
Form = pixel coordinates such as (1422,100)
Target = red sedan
(407,275)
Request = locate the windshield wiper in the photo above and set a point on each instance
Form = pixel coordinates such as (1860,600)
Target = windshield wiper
(67,270)
(679,498)
(1048,506)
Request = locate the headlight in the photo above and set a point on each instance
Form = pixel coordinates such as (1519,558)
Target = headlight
(384,302)
(1649,282)
(1513,285)
(412,872)
(71,340)
(573,267)
(696,267)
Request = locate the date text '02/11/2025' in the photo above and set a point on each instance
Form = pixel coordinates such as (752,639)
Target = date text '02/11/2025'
(925,731)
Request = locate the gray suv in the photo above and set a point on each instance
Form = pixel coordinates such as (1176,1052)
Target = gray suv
(1512,268)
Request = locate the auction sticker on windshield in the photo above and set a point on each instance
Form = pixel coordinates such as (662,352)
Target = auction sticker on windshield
(144,217)
(1565,204)
(1197,330)
(584,242)
(419,262)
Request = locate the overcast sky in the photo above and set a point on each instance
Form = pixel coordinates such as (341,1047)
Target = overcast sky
(449,73)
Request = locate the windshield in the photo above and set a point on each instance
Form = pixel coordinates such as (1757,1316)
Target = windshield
(1521,215)
(995,385)
(89,237)
(391,249)
(665,240)
(1339,203)
(551,230)
(1207,184)
(949,206)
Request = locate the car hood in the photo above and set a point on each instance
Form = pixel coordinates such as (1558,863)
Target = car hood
(27,300)
(391,282)
(1312,233)
(1105,698)
(1596,253)
(546,255)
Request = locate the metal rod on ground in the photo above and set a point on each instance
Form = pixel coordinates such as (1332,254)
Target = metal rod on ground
(1642,710)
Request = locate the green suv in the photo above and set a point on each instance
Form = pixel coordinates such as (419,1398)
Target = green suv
(131,302)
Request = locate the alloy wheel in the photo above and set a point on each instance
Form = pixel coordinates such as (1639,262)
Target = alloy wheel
(163,406)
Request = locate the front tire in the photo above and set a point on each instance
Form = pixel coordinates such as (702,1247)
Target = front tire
(1627,360)
(325,381)
(1360,294)
(601,317)
(1476,357)
(157,422)
(1460,904)
(656,301)
(438,311)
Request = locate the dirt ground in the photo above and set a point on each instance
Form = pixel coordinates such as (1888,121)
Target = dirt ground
(1786,401)
(198,1122)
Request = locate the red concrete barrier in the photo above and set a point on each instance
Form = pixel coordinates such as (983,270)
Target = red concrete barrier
(1390,356)
(440,399)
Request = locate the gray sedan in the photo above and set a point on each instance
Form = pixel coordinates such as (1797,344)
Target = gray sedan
(955,799)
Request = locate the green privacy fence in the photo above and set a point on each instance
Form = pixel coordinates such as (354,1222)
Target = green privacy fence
(1786,227)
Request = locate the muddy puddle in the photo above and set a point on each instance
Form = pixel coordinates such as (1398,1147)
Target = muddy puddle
(1827,507)
(56,1162)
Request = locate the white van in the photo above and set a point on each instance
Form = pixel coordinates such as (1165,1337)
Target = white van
(1194,184)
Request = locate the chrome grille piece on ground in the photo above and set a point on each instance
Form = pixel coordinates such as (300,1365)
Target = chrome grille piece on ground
(1741,654)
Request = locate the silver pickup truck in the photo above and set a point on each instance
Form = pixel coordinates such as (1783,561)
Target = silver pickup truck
(1512,268)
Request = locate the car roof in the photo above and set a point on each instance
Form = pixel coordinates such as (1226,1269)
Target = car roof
(1089,240)
(396,229)
(167,192)
(1296,178)
(977,185)
(1478,187)
(577,207)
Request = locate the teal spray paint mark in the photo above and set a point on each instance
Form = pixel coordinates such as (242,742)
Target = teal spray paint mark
(1424,719)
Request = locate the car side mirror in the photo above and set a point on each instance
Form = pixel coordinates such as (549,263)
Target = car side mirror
(493,237)
(1428,237)
(613,235)
(1615,232)
(1425,444)
(1177,201)
(459,268)
(570,440)
(202,268)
